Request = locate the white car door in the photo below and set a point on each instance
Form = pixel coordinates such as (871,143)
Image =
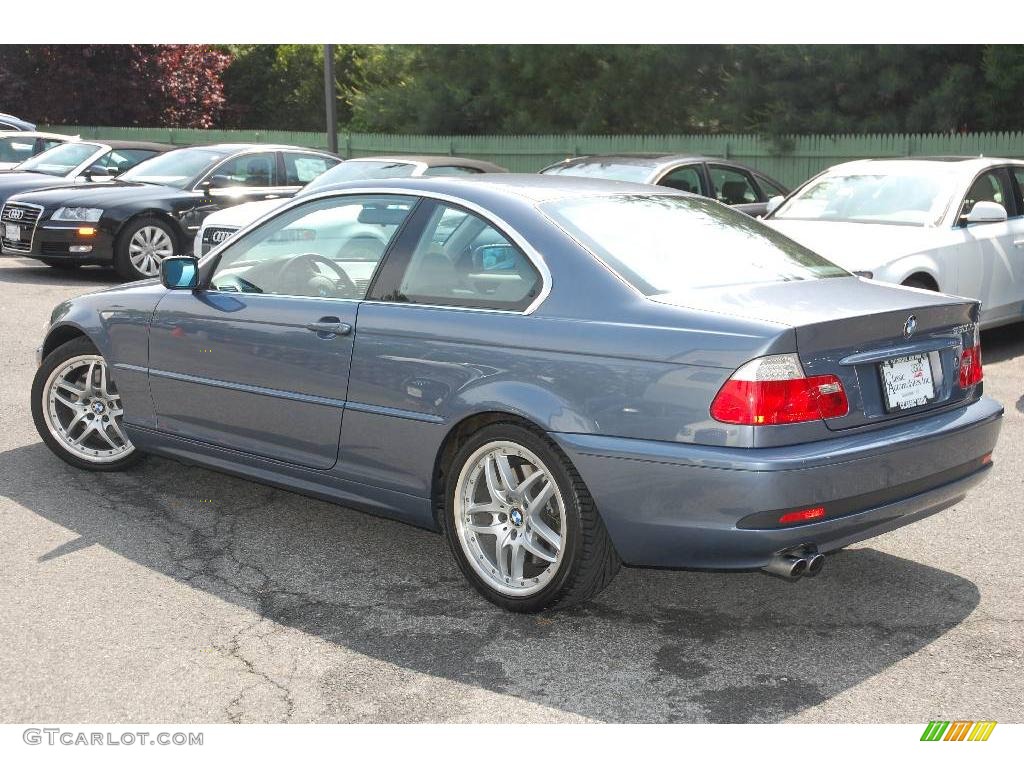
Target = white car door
(990,265)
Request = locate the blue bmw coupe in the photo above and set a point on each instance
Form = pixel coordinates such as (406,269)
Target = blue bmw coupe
(560,374)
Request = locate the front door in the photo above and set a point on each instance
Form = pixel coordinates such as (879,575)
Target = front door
(240,179)
(257,359)
(990,265)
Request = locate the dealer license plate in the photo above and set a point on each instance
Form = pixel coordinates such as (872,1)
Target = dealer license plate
(907,382)
(12,232)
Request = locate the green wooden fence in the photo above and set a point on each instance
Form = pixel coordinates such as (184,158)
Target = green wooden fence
(790,159)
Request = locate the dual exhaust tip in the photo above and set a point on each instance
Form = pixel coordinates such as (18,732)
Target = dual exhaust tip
(794,565)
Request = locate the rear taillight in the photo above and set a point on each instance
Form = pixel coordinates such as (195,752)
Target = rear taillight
(970,367)
(802,516)
(774,390)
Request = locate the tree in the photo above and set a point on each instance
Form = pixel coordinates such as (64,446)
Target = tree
(542,89)
(148,85)
(775,89)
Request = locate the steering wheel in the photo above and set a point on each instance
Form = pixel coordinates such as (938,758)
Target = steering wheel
(300,276)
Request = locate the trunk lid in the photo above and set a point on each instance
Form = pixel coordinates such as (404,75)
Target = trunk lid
(849,327)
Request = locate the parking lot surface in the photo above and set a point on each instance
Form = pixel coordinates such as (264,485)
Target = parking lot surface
(171,594)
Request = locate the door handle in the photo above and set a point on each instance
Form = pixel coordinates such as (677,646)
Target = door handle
(1018,243)
(328,327)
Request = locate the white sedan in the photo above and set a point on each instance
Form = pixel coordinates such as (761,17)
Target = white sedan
(954,225)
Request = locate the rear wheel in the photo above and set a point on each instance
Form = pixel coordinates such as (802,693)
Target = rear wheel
(77,409)
(917,282)
(58,264)
(522,524)
(141,248)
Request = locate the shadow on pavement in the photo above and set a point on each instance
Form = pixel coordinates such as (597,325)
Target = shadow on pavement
(1002,343)
(656,646)
(37,273)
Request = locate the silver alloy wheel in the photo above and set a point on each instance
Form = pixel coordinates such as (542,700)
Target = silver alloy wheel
(83,412)
(148,247)
(510,518)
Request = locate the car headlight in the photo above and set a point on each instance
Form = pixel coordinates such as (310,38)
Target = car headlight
(69,213)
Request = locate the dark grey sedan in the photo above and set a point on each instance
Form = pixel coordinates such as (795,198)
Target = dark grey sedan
(560,374)
(726,181)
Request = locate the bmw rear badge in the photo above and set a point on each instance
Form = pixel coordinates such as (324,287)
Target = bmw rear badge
(910,326)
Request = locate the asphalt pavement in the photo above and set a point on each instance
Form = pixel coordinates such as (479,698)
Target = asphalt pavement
(176,594)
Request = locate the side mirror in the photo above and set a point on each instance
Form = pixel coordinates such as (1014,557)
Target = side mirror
(179,273)
(985,211)
(96,172)
(773,203)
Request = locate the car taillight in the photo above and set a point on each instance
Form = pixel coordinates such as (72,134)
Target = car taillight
(970,367)
(803,516)
(774,390)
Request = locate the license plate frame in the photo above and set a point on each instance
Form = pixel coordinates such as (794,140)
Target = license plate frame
(12,232)
(908,382)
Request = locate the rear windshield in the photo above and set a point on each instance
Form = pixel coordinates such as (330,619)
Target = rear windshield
(356,170)
(663,243)
(595,169)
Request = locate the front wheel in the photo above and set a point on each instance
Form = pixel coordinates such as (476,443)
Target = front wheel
(77,409)
(142,247)
(521,523)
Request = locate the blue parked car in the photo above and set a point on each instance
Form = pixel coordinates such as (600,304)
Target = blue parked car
(561,374)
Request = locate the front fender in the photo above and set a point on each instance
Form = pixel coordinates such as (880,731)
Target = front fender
(116,321)
(917,263)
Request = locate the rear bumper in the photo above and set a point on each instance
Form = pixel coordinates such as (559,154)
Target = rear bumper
(689,506)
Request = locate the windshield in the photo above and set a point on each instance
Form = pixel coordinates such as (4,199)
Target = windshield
(598,170)
(911,194)
(354,170)
(176,168)
(14,149)
(663,243)
(62,160)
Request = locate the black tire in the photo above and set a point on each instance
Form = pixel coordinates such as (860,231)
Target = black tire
(77,346)
(59,264)
(589,561)
(916,282)
(122,261)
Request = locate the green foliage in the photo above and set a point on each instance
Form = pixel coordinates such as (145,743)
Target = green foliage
(770,90)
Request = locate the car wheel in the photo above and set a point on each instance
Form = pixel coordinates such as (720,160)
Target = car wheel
(77,409)
(58,264)
(914,282)
(522,524)
(140,249)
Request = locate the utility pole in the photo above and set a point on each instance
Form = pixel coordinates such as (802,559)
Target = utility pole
(330,99)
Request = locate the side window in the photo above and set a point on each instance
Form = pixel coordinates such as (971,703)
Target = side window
(450,170)
(732,186)
(991,187)
(1018,178)
(300,169)
(463,261)
(327,248)
(255,170)
(770,188)
(685,179)
(50,144)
